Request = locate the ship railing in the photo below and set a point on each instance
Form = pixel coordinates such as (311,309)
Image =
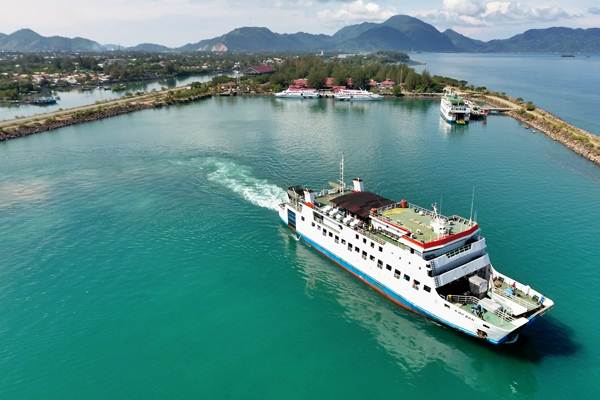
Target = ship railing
(512,297)
(461,299)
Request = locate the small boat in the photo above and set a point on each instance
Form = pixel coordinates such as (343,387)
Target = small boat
(43,101)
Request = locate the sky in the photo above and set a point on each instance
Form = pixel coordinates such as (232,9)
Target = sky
(176,22)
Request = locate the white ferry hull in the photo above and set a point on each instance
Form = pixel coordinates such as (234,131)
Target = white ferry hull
(395,289)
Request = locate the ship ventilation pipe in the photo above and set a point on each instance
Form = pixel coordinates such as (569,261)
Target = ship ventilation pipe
(359,186)
(309,197)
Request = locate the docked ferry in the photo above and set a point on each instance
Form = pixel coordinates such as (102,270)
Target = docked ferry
(356,95)
(432,264)
(298,93)
(454,109)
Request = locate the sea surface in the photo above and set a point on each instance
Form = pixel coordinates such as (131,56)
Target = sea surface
(565,86)
(77,97)
(142,256)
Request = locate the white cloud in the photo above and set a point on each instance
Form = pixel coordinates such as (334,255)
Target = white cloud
(486,13)
(355,11)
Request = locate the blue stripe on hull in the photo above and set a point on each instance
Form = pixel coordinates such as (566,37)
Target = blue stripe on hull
(396,297)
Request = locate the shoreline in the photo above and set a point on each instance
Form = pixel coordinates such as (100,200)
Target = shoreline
(582,142)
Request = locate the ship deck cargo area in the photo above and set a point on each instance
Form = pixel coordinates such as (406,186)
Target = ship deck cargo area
(419,221)
(414,219)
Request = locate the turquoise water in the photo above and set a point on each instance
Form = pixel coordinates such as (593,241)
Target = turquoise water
(567,87)
(142,257)
(76,98)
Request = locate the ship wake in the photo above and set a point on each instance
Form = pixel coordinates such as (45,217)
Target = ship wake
(239,179)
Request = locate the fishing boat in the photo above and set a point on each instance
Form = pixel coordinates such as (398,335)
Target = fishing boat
(435,265)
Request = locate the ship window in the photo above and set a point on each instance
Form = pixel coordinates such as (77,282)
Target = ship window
(446,305)
(426,288)
(350,246)
(364,255)
(485,326)
(357,249)
(406,277)
(372,258)
(412,251)
(312,224)
(302,218)
(396,274)
(330,234)
(324,232)
(317,217)
(379,263)
(319,227)
(343,241)
(372,245)
(388,267)
(364,241)
(356,236)
(380,248)
(337,239)
(416,284)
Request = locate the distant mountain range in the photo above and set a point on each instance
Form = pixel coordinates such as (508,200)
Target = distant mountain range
(400,33)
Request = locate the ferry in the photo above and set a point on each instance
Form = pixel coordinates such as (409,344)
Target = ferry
(454,109)
(435,265)
(298,93)
(356,95)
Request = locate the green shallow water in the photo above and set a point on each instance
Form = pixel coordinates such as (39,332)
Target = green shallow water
(142,257)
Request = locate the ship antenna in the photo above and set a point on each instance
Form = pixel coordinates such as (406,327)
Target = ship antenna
(472,202)
(342,183)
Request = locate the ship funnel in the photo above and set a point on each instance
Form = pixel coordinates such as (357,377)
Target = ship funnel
(309,196)
(358,185)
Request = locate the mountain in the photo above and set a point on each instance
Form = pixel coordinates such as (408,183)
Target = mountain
(462,42)
(422,36)
(352,31)
(149,48)
(399,33)
(253,39)
(26,40)
(2,35)
(550,40)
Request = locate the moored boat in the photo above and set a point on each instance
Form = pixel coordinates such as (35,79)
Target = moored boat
(356,95)
(454,109)
(298,93)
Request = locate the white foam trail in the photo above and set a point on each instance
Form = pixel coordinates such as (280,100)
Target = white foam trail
(239,179)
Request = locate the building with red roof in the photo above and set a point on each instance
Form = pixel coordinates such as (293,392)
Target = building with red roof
(260,70)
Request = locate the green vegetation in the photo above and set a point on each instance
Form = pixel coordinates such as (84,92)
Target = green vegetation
(357,72)
(530,106)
